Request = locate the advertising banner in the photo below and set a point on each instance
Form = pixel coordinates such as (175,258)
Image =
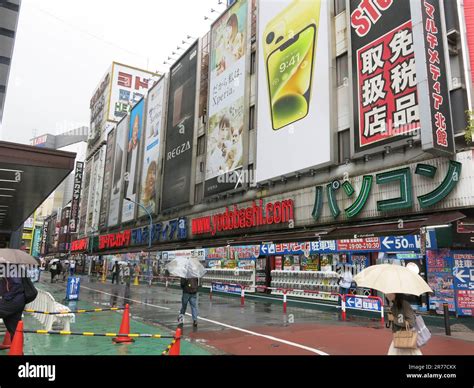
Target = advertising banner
(76,196)
(129,85)
(199,254)
(98,112)
(229,36)
(437,134)
(440,278)
(463,272)
(152,136)
(180,131)
(133,156)
(36,244)
(227,288)
(95,163)
(117,176)
(469,17)
(294,94)
(85,197)
(108,171)
(249,252)
(385,103)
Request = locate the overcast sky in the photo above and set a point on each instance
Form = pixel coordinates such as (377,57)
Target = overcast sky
(63,49)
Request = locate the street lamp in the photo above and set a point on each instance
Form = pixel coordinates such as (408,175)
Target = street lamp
(149,236)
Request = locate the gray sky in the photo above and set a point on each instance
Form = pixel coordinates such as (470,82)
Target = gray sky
(63,48)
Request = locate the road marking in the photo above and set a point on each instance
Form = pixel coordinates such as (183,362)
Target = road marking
(122,297)
(271,338)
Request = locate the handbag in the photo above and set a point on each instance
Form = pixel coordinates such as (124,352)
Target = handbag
(405,339)
(424,334)
(30,290)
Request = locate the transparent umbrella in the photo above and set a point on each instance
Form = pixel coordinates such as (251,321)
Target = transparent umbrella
(16,256)
(186,267)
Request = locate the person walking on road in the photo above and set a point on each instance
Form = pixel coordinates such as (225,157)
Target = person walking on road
(53,269)
(12,302)
(190,289)
(402,314)
(64,270)
(115,271)
(72,267)
(345,282)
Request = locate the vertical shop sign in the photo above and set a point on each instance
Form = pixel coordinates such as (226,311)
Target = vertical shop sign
(76,196)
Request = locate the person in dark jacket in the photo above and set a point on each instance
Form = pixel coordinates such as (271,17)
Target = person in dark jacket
(115,272)
(190,289)
(12,302)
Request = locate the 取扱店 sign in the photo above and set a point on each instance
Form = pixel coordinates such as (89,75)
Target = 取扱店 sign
(435,117)
(384,79)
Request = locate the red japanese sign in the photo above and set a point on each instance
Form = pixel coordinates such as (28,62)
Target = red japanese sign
(115,240)
(388,101)
(359,244)
(469,15)
(79,245)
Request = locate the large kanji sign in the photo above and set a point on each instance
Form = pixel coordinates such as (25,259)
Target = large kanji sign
(76,196)
(384,73)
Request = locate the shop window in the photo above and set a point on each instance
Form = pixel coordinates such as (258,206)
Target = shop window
(344,144)
(342,70)
(252,117)
(339,6)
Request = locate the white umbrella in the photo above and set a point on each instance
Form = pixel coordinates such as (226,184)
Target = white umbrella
(392,279)
(186,267)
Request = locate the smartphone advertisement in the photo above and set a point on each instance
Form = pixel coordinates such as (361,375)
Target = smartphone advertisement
(133,153)
(151,156)
(117,175)
(180,131)
(294,78)
(227,94)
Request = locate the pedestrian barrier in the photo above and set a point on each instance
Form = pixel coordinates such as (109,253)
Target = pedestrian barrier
(74,311)
(345,307)
(174,348)
(46,302)
(91,334)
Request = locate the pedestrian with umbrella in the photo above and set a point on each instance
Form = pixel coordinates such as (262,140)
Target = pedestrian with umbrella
(395,281)
(15,291)
(189,269)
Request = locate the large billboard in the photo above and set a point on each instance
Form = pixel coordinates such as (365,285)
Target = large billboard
(393,97)
(180,131)
(294,94)
(76,196)
(227,97)
(133,158)
(108,171)
(117,174)
(152,136)
(98,111)
(129,85)
(85,198)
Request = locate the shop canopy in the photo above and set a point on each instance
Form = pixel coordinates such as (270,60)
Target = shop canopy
(28,175)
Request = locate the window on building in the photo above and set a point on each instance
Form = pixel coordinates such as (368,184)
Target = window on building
(342,69)
(199,193)
(344,146)
(339,6)
(253,62)
(252,117)
(201,145)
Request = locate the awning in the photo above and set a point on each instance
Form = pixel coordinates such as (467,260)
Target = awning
(28,175)
(392,227)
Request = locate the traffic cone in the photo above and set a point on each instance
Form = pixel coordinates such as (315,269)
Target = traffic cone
(124,327)
(135,282)
(7,341)
(176,347)
(16,348)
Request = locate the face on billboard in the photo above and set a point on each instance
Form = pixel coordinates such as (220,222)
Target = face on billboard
(294,98)
(133,152)
(180,131)
(227,96)
(116,184)
(152,138)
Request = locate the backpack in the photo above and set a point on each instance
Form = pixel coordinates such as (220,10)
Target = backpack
(191,286)
(30,290)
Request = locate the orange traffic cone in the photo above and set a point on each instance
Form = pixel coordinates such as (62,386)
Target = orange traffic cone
(124,327)
(17,343)
(7,341)
(176,347)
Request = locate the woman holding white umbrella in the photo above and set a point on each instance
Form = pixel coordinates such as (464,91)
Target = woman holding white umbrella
(394,281)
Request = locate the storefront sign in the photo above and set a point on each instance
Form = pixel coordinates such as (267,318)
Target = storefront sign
(227,288)
(238,252)
(199,254)
(278,212)
(76,197)
(163,231)
(73,288)
(79,245)
(115,240)
(359,244)
(356,303)
(463,272)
